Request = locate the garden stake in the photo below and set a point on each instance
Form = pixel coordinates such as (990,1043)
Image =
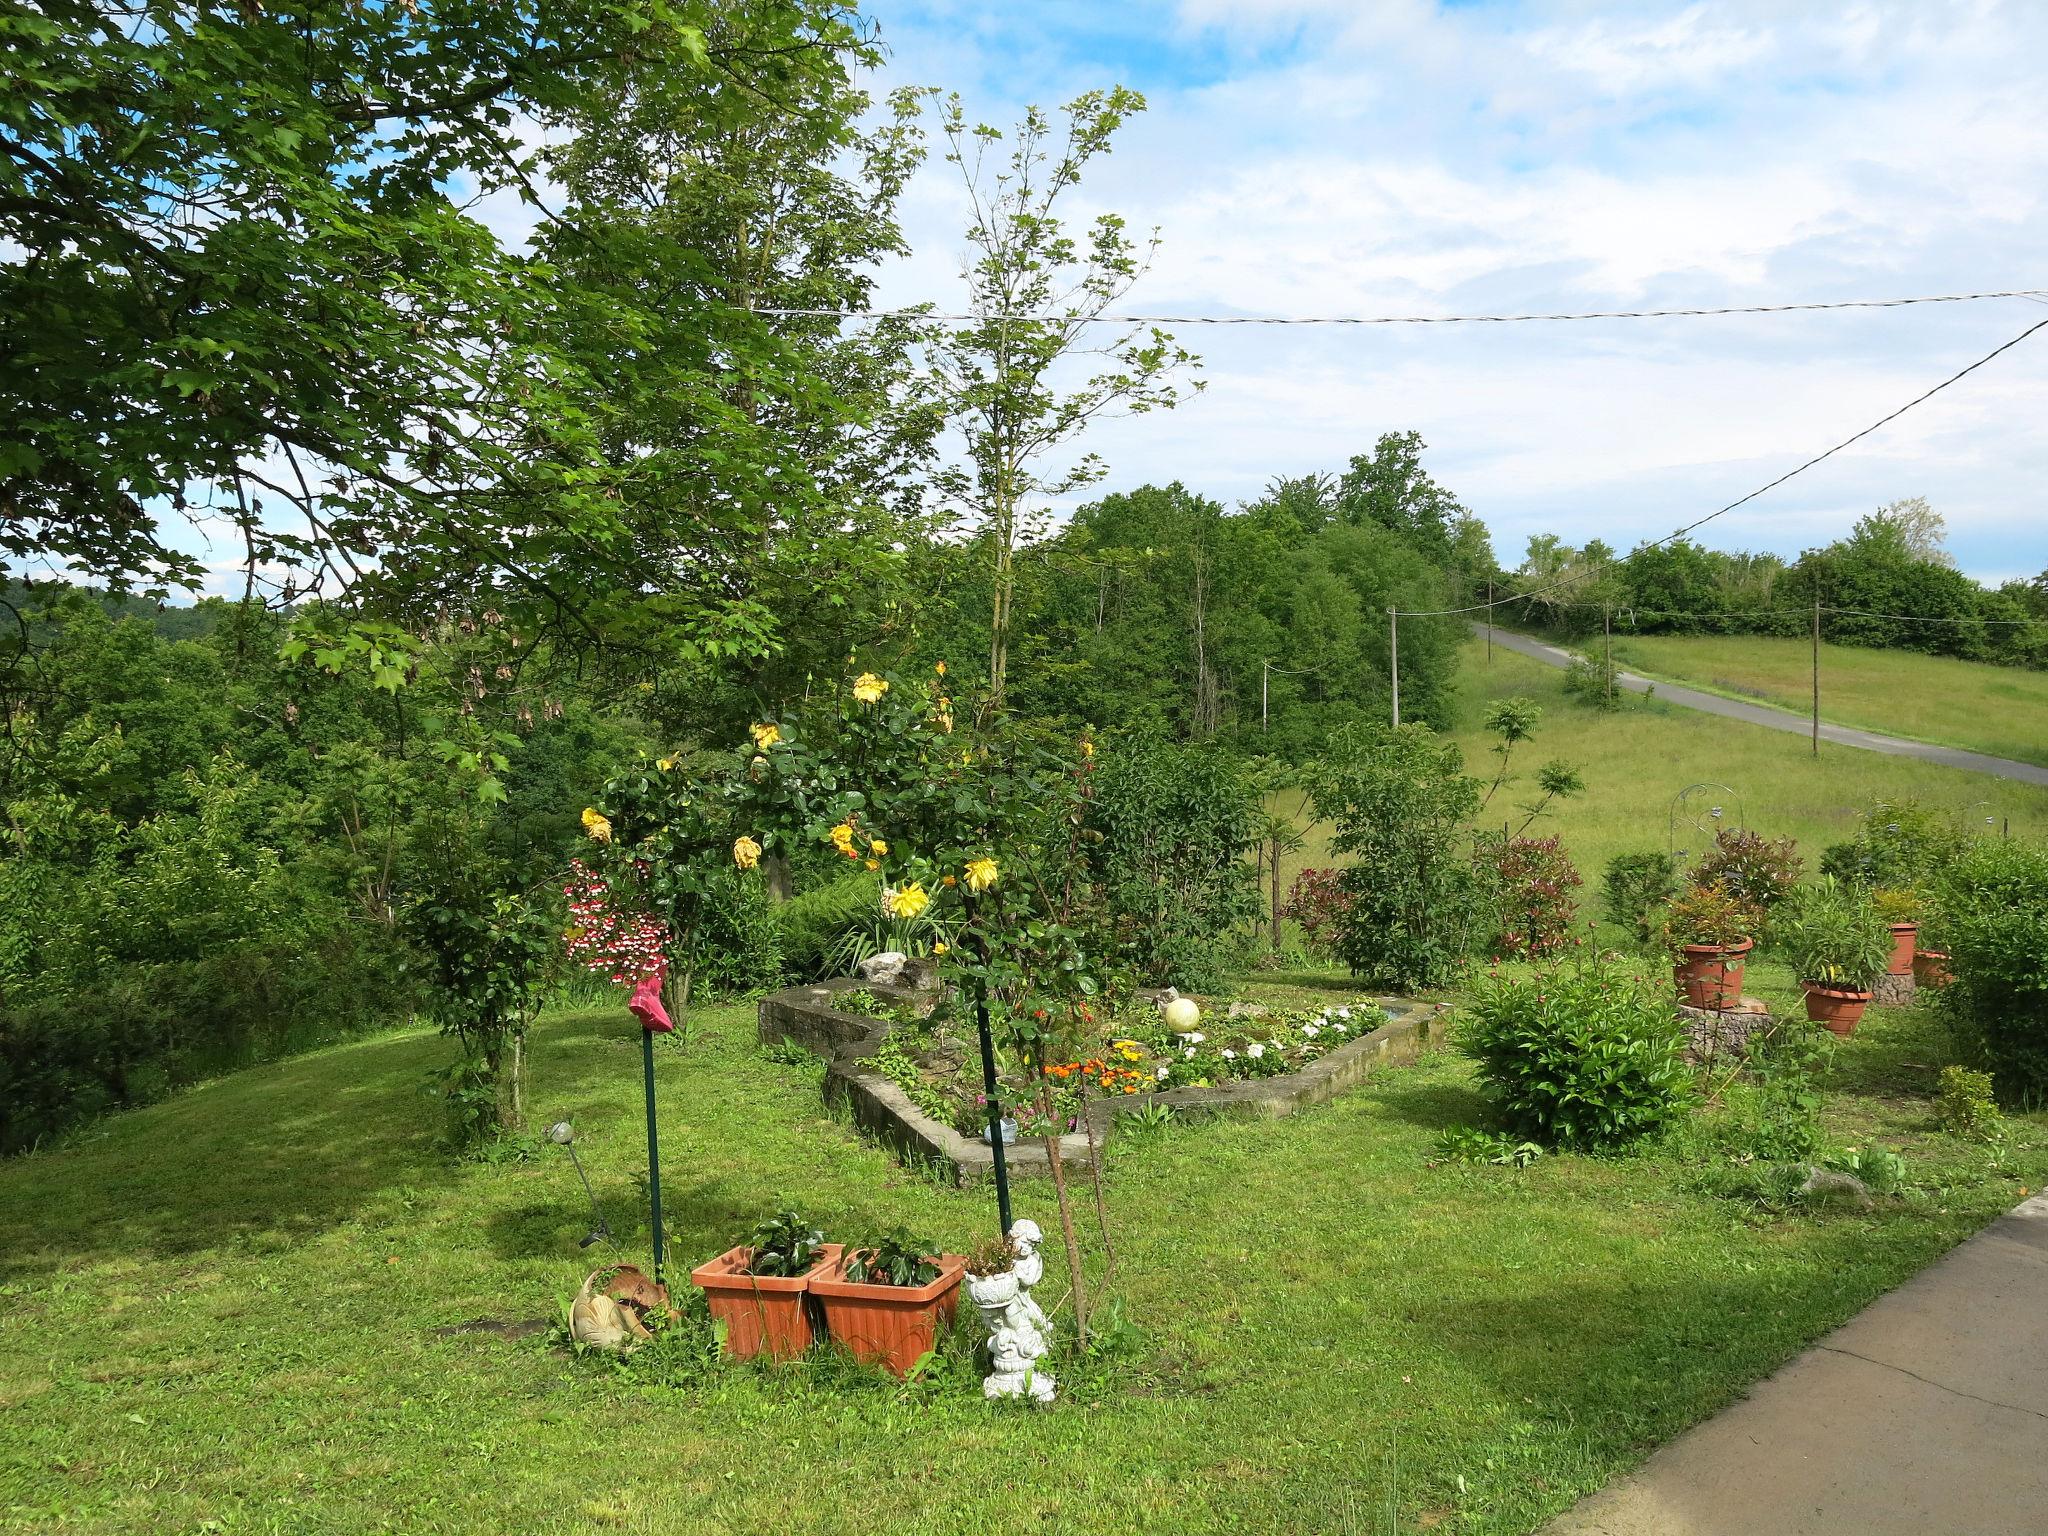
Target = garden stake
(653,1152)
(995,1109)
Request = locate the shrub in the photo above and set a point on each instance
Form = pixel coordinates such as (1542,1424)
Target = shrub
(1902,844)
(1175,823)
(1586,1057)
(1965,1105)
(1400,802)
(1833,934)
(1994,914)
(1596,681)
(1634,889)
(1759,872)
(1316,903)
(815,924)
(1532,880)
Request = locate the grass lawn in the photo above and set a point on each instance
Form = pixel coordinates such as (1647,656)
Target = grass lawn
(220,1313)
(1636,759)
(1968,704)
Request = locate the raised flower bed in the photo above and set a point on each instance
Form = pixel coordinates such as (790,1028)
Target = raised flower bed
(917,1088)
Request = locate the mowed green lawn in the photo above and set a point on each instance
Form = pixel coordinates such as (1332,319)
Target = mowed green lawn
(221,1313)
(1638,759)
(1968,704)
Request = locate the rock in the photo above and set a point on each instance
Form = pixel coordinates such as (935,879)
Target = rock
(885,969)
(1894,991)
(1247,1011)
(1711,1032)
(1824,1186)
(920,975)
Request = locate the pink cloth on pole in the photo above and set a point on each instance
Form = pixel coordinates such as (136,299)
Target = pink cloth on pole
(645,1002)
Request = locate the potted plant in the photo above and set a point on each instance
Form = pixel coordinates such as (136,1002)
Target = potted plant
(758,1289)
(1839,945)
(1708,930)
(887,1301)
(1930,965)
(1901,911)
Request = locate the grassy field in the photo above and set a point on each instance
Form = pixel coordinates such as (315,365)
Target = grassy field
(1999,710)
(223,1313)
(1637,759)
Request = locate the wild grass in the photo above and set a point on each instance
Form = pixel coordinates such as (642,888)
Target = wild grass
(1637,760)
(222,1312)
(1999,710)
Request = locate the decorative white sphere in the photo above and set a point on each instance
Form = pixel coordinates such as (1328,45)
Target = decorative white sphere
(1182,1015)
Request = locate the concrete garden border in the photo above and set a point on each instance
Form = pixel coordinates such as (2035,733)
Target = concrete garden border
(807,1015)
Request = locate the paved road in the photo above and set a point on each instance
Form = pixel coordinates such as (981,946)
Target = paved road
(1926,1413)
(1782,720)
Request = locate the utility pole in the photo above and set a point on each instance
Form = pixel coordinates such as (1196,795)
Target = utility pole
(1816,677)
(1265,671)
(1489,621)
(1394,657)
(1607,647)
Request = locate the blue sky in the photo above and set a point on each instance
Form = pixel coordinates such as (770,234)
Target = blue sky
(1321,157)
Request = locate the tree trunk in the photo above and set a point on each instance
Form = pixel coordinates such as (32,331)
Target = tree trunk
(1276,895)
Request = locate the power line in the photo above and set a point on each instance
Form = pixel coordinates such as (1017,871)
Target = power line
(918,313)
(1680,533)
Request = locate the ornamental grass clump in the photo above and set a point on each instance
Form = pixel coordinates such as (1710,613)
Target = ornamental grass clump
(1585,1056)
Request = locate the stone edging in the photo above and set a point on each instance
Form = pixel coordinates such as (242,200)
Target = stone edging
(806,1015)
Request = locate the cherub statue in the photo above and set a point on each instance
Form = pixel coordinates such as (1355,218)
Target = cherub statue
(1017,1328)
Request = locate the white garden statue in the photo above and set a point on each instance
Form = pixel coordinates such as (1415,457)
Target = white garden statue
(1017,1329)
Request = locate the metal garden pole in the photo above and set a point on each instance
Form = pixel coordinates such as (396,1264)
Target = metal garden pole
(995,1108)
(653,1153)
(1394,657)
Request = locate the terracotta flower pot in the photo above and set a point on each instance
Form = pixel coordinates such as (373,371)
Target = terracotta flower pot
(1930,968)
(761,1313)
(891,1325)
(1837,1008)
(1903,937)
(1710,975)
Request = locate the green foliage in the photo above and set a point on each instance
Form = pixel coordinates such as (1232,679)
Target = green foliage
(786,1245)
(1594,680)
(1904,845)
(1966,1106)
(1400,802)
(1833,934)
(1582,1056)
(815,923)
(896,1258)
(1773,1105)
(1994,913)
(1469,1144)
(1174,824)
(1634,891)
(1757,871)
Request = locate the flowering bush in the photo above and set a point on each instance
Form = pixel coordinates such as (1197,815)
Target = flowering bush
(1317,904)
(1757,871)
(619,944)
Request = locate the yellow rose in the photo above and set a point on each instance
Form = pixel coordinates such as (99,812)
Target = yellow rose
(869,688)
(909,901)
(1087,748)
(746,852)
(841,837)
(938,949)
(877,847)
(874,863)
(940,668)
(765,735)
(981,874)
(665,764)
(595,826)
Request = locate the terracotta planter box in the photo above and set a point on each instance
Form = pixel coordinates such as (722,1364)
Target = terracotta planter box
(1710,975)
(1930,968)
(763,1314)
(889,1325)
(1903,937)
(1836,1008)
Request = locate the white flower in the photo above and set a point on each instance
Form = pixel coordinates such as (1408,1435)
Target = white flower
(1189,1053)
(1229,1054)
(1343,1013)
(1194,1037)
(1161,1073)
(1342,1029)
(1255,1052)
(1310,1030)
